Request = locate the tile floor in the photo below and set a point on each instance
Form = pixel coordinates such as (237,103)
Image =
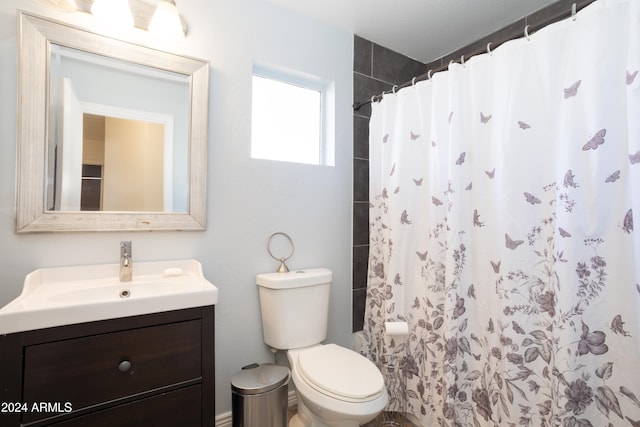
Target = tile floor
(383,420)
(390,419)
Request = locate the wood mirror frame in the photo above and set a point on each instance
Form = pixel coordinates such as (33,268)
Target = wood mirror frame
(35,38)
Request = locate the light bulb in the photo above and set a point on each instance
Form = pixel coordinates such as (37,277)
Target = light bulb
(166,21)
(116,14)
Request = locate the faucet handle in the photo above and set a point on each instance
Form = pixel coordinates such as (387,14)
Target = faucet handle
(125,247)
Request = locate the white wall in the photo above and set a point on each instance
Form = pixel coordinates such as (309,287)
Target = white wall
(247,199)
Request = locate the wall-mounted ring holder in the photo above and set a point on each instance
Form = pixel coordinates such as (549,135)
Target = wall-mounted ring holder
(283,266)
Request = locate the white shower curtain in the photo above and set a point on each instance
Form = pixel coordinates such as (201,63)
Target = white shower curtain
(503,197)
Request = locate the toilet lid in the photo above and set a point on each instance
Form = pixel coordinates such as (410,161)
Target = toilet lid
(341,373)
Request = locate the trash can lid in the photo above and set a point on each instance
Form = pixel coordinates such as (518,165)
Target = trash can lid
(260,379)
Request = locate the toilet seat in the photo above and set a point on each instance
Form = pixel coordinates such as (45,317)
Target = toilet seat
(340,373)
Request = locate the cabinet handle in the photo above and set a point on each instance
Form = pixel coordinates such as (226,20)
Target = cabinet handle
(124,366)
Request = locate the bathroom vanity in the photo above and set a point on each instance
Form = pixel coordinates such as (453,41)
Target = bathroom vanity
(154,369)
(80,347)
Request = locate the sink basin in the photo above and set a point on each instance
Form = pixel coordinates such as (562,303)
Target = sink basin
(67,295)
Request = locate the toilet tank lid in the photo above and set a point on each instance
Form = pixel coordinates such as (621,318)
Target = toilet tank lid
(294,279)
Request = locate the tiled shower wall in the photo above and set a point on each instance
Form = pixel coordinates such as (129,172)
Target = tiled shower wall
(375,69)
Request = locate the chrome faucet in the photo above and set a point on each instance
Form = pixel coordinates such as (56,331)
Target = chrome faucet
(126,263)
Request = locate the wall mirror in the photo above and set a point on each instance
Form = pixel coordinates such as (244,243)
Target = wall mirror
(111,135)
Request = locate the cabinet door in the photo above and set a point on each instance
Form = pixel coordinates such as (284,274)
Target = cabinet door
(95,369)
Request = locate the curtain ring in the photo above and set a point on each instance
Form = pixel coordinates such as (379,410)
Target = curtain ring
(413,81)
(393,89)
(451,62)
(526,32)
(462,61)
(373,99)
(573,11)
(429,74)
(489,48)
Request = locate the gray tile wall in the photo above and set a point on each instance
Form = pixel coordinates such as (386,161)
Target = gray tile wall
(375,69)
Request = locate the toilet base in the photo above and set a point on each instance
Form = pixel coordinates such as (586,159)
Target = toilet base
(296,422)
(304,418)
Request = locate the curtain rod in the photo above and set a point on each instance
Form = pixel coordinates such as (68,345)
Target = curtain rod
(511,32)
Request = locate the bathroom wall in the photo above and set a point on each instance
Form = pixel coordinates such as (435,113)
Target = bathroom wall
(375,69)
(247,199)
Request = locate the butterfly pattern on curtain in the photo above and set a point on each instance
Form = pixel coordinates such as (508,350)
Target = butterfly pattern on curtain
(503,197)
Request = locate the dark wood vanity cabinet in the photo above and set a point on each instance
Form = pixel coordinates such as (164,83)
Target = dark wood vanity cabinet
(149,370)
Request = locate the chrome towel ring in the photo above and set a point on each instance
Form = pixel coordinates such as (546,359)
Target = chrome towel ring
(283,267)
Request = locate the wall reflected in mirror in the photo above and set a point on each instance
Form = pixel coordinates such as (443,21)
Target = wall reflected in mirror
(118,135)
(122,166)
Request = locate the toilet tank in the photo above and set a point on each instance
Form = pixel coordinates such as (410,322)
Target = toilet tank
(295,307)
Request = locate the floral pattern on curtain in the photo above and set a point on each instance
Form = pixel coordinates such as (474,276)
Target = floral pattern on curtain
(503,197)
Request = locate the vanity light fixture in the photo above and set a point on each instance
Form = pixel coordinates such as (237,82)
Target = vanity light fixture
(166,21)
(162,19)
(115,13)
(61,5)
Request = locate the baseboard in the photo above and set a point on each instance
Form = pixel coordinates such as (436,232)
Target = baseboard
(225,420)
(293,400)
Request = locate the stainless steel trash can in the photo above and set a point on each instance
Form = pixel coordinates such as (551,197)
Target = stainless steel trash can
(259,396)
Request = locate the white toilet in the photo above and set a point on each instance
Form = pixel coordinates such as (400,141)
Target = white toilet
(335,386)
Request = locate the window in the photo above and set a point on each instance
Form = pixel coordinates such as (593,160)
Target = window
(289,118)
